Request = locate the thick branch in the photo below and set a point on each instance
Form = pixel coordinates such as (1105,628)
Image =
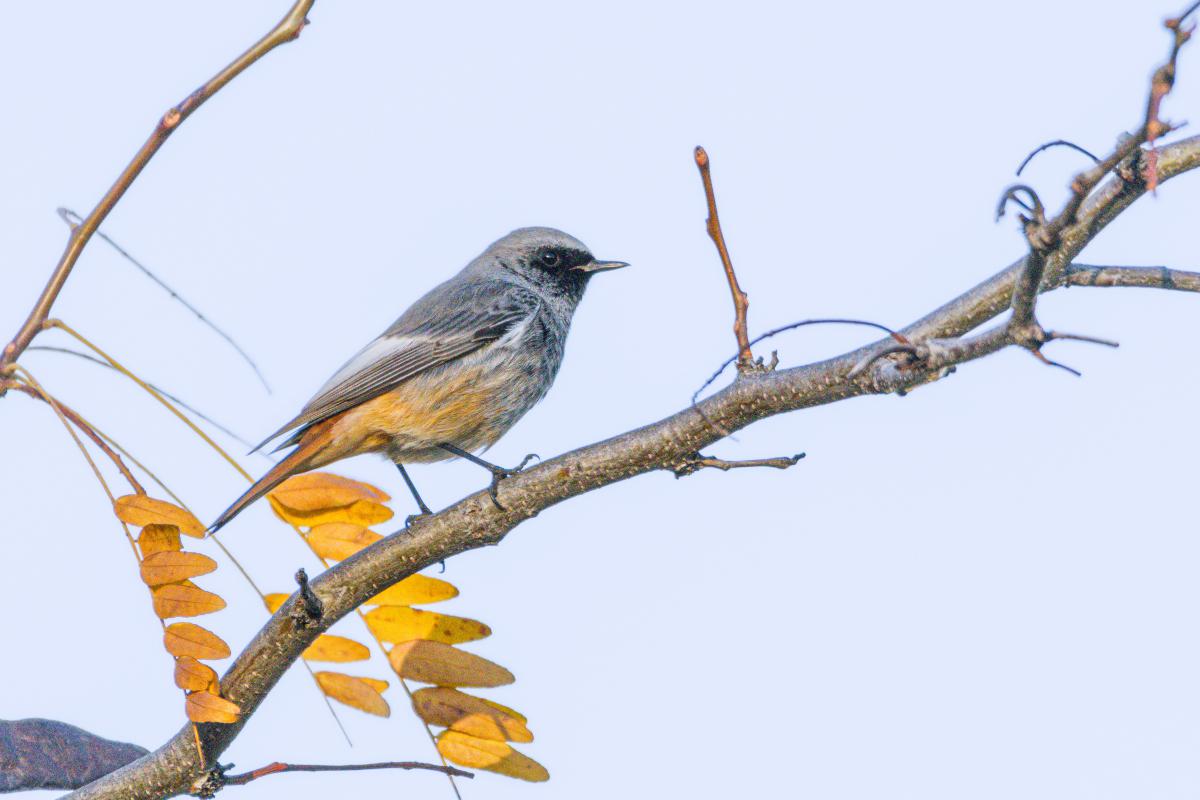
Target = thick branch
(475,522)
(286,30)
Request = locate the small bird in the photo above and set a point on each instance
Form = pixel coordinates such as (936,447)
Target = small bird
(454,373)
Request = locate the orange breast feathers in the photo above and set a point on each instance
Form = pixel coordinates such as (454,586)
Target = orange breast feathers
(412,419)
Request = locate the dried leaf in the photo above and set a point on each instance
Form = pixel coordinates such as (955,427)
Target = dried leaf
(192,676)
(376,683)
(44,754)
(208,707)
(400,624)
(184,600)
(467,714)
(141,510)
(172,567)
(338,540)
(158,539)
(354,692)
(316,491)
(328,647)
(188,639)
(414,590)
(476,753)
(426,661)
(274,600)
(360,512)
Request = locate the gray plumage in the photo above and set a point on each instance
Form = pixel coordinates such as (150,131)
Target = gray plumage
(455,372)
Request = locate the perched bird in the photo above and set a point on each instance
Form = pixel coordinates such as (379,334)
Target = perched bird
(454,373)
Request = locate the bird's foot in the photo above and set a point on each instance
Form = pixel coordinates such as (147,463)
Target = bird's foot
(500,473)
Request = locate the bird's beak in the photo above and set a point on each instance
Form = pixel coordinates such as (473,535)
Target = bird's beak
(601,266)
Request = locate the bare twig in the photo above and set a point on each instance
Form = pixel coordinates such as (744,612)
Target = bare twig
(73,220)
(1055,143)
(217,779)
(698,461)
(789,327)
(172,397)
(1145,277)
(286,30)
(85,428)
(741,303)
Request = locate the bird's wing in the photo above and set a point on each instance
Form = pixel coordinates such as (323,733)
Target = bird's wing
(448,323)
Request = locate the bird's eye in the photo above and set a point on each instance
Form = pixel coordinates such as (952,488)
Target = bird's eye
(550,258)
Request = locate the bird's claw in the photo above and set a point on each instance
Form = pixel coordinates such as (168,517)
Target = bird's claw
(500,473)
(411,518)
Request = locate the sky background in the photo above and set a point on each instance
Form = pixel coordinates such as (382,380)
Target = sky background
(986,589)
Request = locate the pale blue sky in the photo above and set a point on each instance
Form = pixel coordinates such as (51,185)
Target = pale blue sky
(986,589)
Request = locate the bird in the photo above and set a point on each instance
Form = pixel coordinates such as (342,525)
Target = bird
(453,374)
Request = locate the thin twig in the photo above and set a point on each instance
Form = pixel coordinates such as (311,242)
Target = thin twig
(172,397)
(792,326)
(741,303)
(286,30)
(84,427)
(1055,143)
(278,767)
(699,461)
(1147,277)
(73,220)
(57,323)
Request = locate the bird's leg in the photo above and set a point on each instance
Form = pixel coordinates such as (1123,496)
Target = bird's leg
(412,487)
(498,473)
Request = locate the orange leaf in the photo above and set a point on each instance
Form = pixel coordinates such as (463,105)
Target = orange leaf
(378,685)
(317,491)
(208,707)
(360,512)
(172,567)
(425,661)
(471,751)
(193,676)
(184,600)
(140,510)
(401,623)
(189,639)
(354,692)
(338,540)
(158,539)
(414,590)
(328,647)
(452,709)
(274,600)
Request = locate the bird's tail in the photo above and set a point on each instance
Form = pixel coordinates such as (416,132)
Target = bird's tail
(302,459)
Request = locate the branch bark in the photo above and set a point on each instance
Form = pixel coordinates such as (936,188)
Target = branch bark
(476,522)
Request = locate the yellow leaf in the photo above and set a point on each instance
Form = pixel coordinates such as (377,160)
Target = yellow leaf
(208,707)
(140,510)
(189,639)
(316,491)
(274,600)
(414,590)
(474,716)
(158,539)
(193,676)
(401,623)
(328,647)
(426,661)
(476,753)
(378,685)
(184,600)
(512,712)
(338,540)
(360,512)
(354,692)
(171,567)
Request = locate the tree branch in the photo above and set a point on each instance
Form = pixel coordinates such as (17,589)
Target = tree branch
(475,522)
(285,31)
(216,780)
